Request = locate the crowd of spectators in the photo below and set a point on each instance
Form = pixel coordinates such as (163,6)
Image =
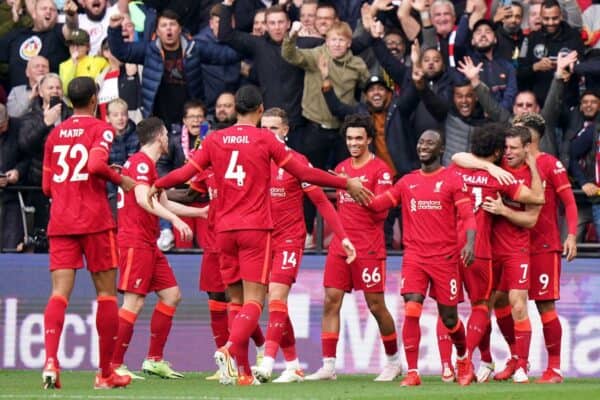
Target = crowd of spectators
(411,65)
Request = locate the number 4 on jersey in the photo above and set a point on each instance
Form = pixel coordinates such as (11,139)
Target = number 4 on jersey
(235,171)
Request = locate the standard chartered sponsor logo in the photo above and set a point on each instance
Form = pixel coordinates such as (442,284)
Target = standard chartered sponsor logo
(429,205)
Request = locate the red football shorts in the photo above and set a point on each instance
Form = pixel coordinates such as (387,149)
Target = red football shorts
(198,226)
(210,273)
(443,281)
(286,262)
(511,272)
(245,255)
(144,270)
(477,279)
(99,249)
(545,276)
(363,274)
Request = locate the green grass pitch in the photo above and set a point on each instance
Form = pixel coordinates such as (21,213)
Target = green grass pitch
(78,385)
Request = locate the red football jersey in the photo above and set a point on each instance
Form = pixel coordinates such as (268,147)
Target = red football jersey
(480,185)
(287,196)
(241,160)
(508,238)
(545,235)
(429,215)
(363,226)
(204,182)
(79,201)
(137,227)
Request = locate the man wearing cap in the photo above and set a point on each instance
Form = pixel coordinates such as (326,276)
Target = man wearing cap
(80,63)
(497,73)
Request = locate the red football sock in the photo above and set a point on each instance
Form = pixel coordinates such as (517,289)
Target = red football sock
(288,342)
(484,345)
(242,327)
(522,338)
(107,325)
(444,343)
(459,338)
(477,326)
(506,324)
(218,322)
(257,336)
(552,337)
(54,318)
(411,333)
(232,309)
(160,326)
(390,343)
(329,342)
(278,317)
(126,322)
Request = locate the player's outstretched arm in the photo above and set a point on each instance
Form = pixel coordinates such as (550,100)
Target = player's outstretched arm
(98,165)
(525,219)
(141,196)
(468,160)
(383,202)
(319,177)
(173,178)
(325,208)
(182,210)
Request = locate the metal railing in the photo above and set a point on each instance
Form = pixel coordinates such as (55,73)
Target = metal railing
(584,249)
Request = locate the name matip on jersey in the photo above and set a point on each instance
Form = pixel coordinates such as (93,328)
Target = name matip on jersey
(481,184)
(429,214)
(79,201)
(240,157)
(137,227)
(287,205)
(363,226)
(545,235)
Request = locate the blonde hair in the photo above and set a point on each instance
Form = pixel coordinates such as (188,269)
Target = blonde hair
(118,102)
(341,28)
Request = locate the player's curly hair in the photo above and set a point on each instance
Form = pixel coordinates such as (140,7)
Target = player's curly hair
(248,99)
(488,139)
(358,121)
(533,121)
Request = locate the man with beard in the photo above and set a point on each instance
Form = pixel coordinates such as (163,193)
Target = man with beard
(225,110)
(584,158)
(536,69)
(95,20)
(497,73)
(508,31)
(46,38)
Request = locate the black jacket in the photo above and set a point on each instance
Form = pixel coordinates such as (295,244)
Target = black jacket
(12,156)
(541,44)
(282,84)
(32,137)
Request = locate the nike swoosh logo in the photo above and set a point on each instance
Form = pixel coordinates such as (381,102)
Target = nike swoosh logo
(522,280)
(284,267)
(370,285)
(542,292)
